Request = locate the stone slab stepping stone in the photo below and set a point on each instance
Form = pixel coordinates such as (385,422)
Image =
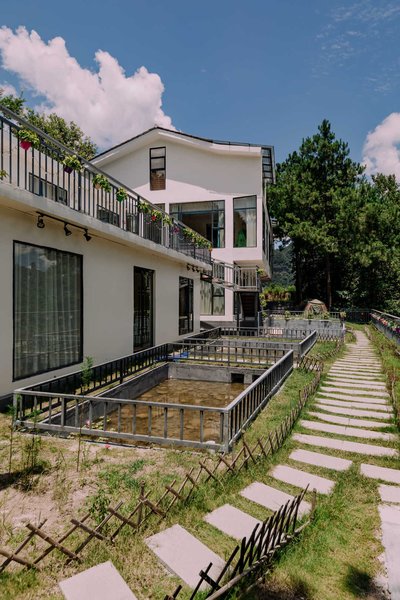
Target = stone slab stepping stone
(356,368)
(101,582)
(347,421)
(302,479)
(384,408)
(390,521)
(271,498)
(354,376)
(321,460)
(232,521)
(353,412)
(351,398)
(348,431)
(384,473)
(184,555)
(344,445)
(364,361)
(361,383)
(356,392)
(389,493)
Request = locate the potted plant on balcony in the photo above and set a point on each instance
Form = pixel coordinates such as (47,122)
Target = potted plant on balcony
(155,215)
(72,163)
(143,207)
(28,138)
(101,182)
(167,220)
(3,173)
(121,195)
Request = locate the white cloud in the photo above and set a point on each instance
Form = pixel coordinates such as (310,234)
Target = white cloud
(8,89)
(108,105)
(381,153)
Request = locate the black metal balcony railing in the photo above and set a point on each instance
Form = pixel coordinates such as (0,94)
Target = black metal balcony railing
(234,277)
(40,170)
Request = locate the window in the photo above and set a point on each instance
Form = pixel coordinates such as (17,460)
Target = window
(157,168)
(207,218)
(47,309)
(185,305)
(245,222)
(41,187)
(143,308)
(212,299)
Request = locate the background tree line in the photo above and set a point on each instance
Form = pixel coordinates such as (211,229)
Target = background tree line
(343,228)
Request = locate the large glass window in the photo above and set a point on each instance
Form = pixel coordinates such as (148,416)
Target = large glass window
(207,218)
(157,168)
(212,299)
(47,309)
(245,222)
(185,305)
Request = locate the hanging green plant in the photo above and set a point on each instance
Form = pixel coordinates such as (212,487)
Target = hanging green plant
(144,207)
(72,163)
(121,195)
(101,182)
(3,173)
(28,138)
(167,220)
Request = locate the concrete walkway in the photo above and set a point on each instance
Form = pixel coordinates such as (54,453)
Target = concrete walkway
(351,403)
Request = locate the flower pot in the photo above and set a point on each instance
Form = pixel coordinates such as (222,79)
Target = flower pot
(68,170)
(25,145)
(97,186)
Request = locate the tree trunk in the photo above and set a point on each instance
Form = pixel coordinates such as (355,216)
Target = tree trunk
(328,282)
(298,278)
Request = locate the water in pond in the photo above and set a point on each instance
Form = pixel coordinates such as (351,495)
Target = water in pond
(175,422)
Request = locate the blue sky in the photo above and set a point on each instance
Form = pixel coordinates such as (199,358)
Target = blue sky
(258,71)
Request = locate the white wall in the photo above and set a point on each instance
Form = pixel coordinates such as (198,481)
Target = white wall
(195,174)
(107,291)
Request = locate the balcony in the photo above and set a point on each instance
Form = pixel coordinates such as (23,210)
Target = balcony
(234,277)
(40,169)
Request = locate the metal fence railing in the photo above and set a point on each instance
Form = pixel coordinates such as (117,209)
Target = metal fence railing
(387,324)
(40,169)
(145,421)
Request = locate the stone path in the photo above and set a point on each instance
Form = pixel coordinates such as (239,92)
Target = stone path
(351,403)
(102,582)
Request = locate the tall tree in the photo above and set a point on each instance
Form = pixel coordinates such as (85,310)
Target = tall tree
(308,201)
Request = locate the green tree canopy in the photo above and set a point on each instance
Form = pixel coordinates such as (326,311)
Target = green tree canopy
(308,202)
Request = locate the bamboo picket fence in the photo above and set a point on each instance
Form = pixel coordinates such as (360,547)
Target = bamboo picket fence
(253,557)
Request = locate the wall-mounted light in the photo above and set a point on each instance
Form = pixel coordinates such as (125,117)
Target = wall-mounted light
(66,230)
(40,223)
(87,236)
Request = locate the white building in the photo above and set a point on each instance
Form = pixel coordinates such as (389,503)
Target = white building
(82,273)
(217,189)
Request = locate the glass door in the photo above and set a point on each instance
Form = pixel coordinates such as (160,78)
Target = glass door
(143,309)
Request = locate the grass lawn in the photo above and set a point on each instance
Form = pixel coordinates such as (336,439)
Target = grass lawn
(334,558)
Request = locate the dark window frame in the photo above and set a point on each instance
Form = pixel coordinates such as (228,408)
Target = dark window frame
(215,293)
(158,175)
(214,211)
(81,324)
(186,321)
(254,209)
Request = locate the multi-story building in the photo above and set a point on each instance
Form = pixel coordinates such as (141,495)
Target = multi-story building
(84,271)
(219,190)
